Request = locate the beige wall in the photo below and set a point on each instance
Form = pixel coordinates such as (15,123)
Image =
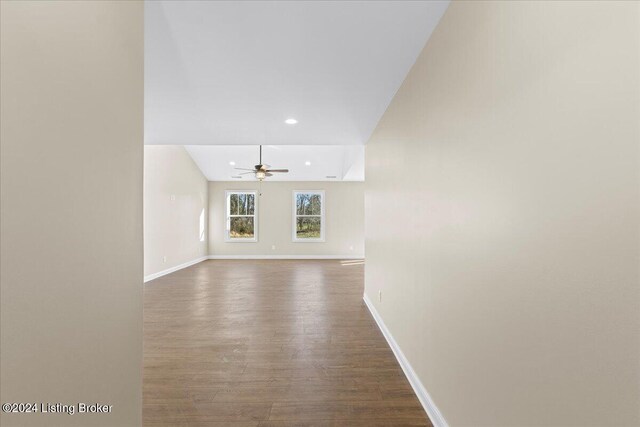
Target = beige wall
(71,233)
(175,208)
(502,214)
(344,233)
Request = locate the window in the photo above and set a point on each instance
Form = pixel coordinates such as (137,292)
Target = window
(308,216)
(242,223)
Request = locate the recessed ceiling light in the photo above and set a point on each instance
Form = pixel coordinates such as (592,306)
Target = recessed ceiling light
(236,177)
(308,163)
(232,163)
(291,121)
(331,176)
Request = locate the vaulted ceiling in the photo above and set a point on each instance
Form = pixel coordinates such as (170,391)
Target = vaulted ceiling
(232,72)
(222,77)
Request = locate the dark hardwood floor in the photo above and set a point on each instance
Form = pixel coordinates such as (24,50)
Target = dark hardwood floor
(269,343)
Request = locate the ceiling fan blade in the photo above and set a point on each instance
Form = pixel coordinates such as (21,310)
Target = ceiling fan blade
(268,174)
(278,170)
(243,169)
(246,173)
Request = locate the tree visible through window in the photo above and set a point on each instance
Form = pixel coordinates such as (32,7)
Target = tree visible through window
(241,216)
(308,216)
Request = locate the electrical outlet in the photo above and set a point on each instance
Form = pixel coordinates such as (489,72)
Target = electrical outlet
(380,296)
(273,247)
(173,197)
(164,258)
(350,248)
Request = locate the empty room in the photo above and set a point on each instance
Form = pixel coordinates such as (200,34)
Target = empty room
(320,213)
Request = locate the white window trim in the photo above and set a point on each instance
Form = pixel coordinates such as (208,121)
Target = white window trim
(294,238)
(227,220)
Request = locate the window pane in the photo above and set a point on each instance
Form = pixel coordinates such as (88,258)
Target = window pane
(241,227)
(308,228)
(251,204)
(316,204)
(233,204)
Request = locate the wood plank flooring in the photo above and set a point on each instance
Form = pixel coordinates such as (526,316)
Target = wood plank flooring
(269,343)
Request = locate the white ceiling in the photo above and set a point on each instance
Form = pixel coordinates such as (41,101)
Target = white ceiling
(232,72)
(344,162)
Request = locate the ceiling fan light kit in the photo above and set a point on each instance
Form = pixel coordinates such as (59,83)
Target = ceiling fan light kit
(262,171)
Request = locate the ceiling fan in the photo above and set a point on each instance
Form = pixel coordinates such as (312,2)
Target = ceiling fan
(262,171)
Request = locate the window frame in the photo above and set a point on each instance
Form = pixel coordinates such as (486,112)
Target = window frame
(228,216)
(294,237)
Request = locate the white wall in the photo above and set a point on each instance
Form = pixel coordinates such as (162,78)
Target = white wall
(71,80)
(503,214)
(175,209)
(344,233)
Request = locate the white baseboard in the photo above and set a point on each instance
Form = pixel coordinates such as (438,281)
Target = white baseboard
(286,256)
(427,403)
(172,269)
